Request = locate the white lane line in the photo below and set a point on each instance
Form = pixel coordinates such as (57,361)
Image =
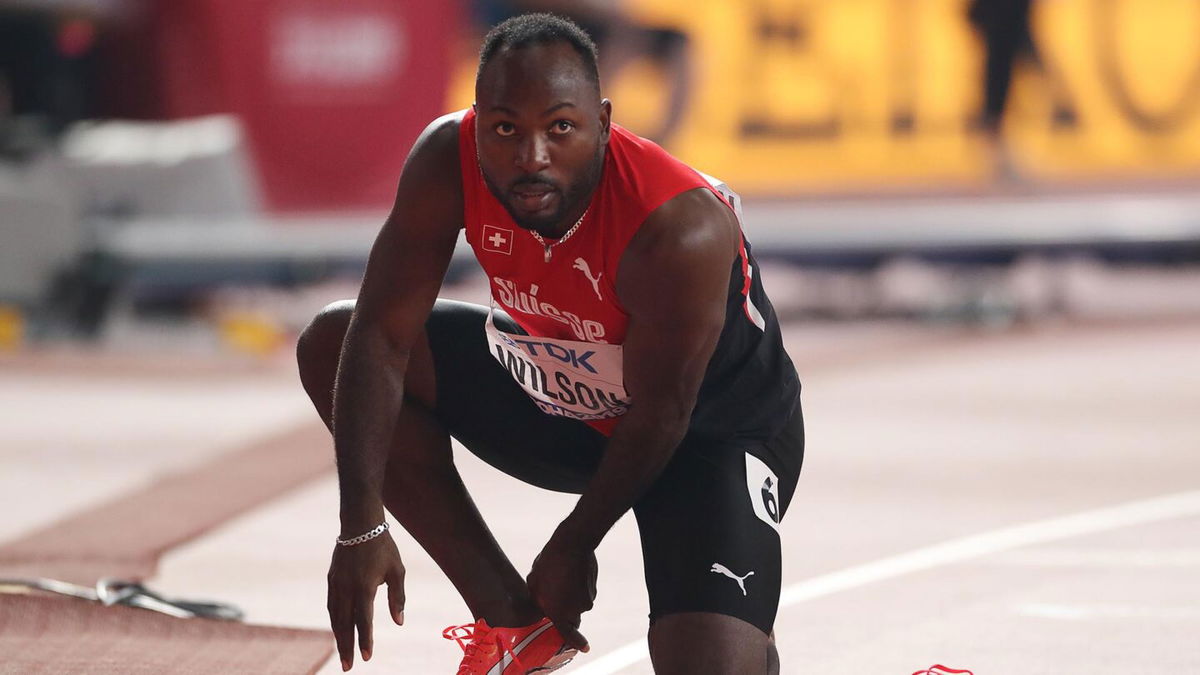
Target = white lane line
(948,553)
(1093,612)
(1075,557)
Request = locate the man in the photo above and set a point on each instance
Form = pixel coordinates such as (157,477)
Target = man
(1005,26)
(622,40)
(637,362)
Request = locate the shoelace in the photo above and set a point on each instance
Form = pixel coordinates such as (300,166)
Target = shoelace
(939,669)
(477,644)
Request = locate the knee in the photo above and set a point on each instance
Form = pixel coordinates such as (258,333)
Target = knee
(706,642)
(320,343)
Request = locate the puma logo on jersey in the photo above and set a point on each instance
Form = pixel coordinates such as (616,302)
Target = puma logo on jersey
(582,266)
(741,581)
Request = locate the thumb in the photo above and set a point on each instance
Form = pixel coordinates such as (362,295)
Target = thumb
(573,637)
(395,592)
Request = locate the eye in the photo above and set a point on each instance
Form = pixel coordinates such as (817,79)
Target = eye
(505,129)
(562,127)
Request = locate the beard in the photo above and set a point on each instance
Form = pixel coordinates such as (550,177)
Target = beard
(569,199)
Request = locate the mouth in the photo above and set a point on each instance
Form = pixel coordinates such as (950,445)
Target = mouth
(533,198)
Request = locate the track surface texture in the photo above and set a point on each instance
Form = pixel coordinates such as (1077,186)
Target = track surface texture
(1010,501)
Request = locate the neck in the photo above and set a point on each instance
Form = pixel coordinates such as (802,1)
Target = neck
(559,229)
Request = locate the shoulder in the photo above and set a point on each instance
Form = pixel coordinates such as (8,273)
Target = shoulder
(659,198)
(680,256)
(644,175)
(440,139)
(694,223)
(433,165)
(445,128)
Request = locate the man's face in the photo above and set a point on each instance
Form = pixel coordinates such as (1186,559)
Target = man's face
(540,133)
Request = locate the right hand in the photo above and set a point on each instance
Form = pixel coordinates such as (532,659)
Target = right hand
(355,574)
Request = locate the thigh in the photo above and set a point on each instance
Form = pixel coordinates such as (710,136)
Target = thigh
(485,410)
(709,527)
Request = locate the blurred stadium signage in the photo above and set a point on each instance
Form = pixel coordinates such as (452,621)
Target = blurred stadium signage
(808,95)
(331,94)
(336,49)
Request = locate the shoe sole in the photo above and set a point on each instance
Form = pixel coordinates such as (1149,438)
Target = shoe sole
(557,661)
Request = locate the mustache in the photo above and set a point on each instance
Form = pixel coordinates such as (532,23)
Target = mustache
(533,181)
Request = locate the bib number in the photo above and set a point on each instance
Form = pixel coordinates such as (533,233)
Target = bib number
(568,378)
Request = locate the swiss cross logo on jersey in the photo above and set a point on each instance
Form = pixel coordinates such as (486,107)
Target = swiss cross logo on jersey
(497,239)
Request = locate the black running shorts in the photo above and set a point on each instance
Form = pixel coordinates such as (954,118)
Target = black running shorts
(708,524)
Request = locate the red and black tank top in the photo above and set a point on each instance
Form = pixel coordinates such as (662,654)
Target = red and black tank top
(750,386)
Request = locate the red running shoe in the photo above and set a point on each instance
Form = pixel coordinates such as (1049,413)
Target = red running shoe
(939,669)
(536,648)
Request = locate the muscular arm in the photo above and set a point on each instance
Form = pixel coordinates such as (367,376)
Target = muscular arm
(673,280)
(403,276)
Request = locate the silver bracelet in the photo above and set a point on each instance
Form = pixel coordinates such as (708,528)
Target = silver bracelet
(355,541)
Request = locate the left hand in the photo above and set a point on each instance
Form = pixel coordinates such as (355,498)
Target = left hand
(563,583)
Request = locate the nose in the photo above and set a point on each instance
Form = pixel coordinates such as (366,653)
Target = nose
(533,154)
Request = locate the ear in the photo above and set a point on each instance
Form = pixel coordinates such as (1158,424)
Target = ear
(605,120)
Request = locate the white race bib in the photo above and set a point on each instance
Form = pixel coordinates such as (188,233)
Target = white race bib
(569,378)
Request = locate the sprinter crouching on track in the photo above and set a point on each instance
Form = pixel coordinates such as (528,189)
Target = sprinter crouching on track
(629,355)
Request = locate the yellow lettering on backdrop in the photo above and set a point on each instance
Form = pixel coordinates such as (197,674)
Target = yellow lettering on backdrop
(809,95)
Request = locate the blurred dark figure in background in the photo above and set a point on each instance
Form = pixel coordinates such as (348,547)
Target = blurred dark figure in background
(621,41)
(1007,36)
(46,63)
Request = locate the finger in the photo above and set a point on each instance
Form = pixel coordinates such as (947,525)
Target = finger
(343,630)
(395,592)
(572,636)
(363,618)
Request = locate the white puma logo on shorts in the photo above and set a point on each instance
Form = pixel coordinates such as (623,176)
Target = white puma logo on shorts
(582,266)
(721,569)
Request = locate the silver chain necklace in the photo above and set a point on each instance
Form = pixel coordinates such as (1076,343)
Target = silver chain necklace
(547,246)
